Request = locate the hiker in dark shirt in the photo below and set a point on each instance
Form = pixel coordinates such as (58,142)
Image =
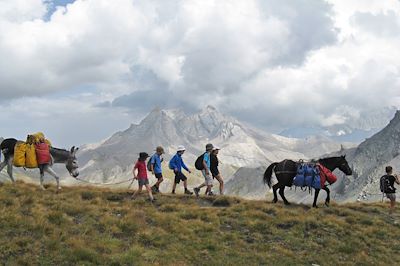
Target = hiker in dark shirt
(390,190)
(214,169)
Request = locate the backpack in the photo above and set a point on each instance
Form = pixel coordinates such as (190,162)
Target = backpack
(385,184)
(199,162)
(149,163)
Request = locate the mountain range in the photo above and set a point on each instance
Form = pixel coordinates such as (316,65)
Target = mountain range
(241,145)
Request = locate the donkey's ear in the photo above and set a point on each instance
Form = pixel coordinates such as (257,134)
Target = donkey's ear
(344,156)
(72,149)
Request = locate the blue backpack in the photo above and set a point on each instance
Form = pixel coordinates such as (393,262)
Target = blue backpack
(308,175)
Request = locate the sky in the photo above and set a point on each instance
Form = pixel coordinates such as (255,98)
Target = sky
(82,70)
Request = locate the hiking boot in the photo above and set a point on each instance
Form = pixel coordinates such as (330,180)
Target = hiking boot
(154,189)
(188,192)
(152,200)
(196,191)
(211,193)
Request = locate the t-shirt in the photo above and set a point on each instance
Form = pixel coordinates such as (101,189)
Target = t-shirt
(156,160)
(207,159)
(142,171)
(214,165)
(392,179)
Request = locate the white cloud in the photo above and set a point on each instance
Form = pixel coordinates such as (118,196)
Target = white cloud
(273,63)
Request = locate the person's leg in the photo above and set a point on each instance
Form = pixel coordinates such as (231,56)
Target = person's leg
(392,206)
(156,186)
(148,188)
(176,181)
(184,179)
(137,192)
(221,184)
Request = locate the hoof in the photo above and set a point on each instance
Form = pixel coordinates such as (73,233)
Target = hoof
(274,201)
(327,204)
(315,206)
(287,203)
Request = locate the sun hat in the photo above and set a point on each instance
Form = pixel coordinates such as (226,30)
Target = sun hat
(160,149)
(181,148)
(216,148)
(143,155)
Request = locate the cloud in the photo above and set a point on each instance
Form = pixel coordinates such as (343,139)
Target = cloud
(275,64)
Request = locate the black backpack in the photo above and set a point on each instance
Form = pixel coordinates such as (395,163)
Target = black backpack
(385,184)
(199,162)
(149,163)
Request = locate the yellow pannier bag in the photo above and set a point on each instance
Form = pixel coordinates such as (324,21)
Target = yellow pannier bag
(30,158)
(38,136)
(19,154)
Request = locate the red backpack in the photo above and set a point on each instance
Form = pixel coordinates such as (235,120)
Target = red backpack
(42,153)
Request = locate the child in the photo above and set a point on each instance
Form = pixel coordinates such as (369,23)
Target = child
(177,164)
(214,169)
(156,168)
(142,176)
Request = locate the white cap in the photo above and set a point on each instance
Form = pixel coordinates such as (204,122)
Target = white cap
(216,148)
(181,148)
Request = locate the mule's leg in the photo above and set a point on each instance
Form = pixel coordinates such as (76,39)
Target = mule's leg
(282,193)
(315,198)
(49,170)
(2,165)
(328,196)
(274,189)
(10,169)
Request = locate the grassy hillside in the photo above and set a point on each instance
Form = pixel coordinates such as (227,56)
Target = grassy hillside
(90,226)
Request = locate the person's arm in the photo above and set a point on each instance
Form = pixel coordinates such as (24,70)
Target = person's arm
(396,179)
(185,167)
(206,168)
(205,164)
(152,162)
(134,171)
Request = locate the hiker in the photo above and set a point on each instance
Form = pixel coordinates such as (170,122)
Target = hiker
(155,165)
(387,187)
(141,176)
(177,164)
(208,181)
(214,169)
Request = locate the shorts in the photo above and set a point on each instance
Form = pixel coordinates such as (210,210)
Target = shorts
(143,182)
(215,173)
(179,176)
(391,196)
(207,178)
(158,175)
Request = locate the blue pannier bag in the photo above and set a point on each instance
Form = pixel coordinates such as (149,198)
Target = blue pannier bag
(308,175)
(299,180)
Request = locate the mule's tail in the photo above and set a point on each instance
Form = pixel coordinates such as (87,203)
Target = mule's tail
(268,174)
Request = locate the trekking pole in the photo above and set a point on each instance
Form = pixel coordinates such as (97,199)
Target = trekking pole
(131,183)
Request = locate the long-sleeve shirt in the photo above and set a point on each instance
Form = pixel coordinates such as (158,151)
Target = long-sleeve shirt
(177,163)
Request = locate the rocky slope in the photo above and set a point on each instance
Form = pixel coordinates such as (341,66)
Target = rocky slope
(368,161)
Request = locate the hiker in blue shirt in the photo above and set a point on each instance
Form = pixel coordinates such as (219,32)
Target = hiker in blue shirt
(177,164)
(208,181)
(155,165)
